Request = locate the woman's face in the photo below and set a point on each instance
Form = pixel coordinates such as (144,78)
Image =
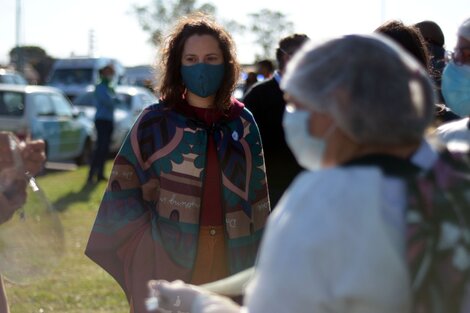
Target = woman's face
(201,49)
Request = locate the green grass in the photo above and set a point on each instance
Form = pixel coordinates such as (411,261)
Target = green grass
(76,285)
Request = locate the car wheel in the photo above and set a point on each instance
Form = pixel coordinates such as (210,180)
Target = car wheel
(85,157)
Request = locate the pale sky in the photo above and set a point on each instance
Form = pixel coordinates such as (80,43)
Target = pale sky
(62,27)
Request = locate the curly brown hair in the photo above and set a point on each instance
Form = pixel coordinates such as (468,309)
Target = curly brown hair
(409,38)
(171,86)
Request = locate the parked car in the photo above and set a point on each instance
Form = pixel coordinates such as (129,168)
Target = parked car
(74,75)
(142,75)
(11,77)
(39,112)
(132,101)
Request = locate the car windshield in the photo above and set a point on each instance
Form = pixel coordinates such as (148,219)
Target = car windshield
(124,101)
(86,100)
(11,103)
(79,76)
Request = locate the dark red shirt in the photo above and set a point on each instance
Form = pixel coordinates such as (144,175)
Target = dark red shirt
(211,207)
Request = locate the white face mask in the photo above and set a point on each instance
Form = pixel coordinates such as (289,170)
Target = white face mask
(307,149)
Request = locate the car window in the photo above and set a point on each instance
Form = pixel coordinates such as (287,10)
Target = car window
(42,104)
(138,102)
(125,100)
(19,80)
(85,99)
(146,100)
(11,103)
(6,79)
(79,76)
(61,106)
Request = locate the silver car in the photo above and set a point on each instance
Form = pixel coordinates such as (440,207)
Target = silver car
(132,101)
(39,112)
(11,77)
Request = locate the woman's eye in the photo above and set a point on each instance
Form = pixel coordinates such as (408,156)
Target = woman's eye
(213,59)
(190,60)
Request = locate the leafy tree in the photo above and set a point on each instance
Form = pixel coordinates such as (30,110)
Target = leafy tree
(34,56)
(158,18)
(26,54)
(268,28)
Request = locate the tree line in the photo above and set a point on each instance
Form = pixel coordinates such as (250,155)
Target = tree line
(156,18)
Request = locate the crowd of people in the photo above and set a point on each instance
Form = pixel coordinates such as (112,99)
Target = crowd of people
(339,142)
(342,177)
(378,221)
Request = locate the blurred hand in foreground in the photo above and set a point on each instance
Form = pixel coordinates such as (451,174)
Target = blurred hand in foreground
(34,156)
(13,181)
(180,297)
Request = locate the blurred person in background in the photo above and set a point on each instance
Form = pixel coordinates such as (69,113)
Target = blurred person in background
(410,38)
(435,43)
(456,90)
(251,79)
(105,101)
(13,182)
(187,198)
(456,74)
(266,102)
(265,69)
(348,235)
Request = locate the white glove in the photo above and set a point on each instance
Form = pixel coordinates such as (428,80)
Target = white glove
(178,297)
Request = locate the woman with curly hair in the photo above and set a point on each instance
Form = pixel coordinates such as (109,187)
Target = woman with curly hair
(187,198)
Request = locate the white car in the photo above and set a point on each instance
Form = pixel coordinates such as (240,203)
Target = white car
(74,75)
(39,112)
(11,77)
(132,101)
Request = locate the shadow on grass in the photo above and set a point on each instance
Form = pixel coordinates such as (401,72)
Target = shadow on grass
(83,195)
(75,189)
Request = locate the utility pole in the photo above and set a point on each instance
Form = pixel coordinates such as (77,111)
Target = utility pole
(383,10)
(91,43)
(19,53)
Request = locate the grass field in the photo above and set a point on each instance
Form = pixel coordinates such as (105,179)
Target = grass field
(76,285)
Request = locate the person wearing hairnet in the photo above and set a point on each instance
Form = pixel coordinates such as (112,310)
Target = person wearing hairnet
(358,107)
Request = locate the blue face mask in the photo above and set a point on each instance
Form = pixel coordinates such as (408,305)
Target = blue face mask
(456,88)
(203,79)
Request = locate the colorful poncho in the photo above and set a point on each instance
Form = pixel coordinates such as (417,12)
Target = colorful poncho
(148,221)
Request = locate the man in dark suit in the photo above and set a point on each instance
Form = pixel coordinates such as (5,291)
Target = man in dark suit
(266,101)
